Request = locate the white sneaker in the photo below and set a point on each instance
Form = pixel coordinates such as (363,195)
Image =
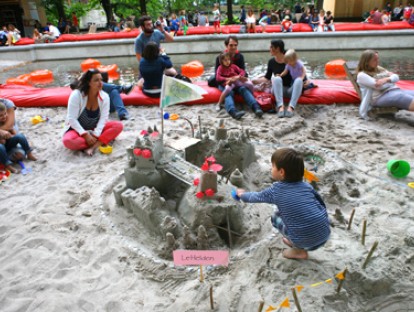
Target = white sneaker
(218,107)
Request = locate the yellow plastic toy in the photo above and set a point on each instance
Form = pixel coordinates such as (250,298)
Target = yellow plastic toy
(105,149)
(36,119)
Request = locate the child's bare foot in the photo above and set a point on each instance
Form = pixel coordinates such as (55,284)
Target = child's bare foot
(30,156)
(12,169)
(89,151)
(294,253)
(287,242)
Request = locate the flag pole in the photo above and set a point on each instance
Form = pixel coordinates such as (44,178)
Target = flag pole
(162,108)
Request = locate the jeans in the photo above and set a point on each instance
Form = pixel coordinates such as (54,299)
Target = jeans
(293,92)
(10,144)
(116,102)
(247,97)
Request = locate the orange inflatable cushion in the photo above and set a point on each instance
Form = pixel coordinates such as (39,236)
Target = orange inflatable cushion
(335,68)
(192,69)
(41,76)
(89,64)
(22,80)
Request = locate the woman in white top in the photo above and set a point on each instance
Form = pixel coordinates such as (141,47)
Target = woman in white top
(250,21)
(87,126)
(378,86)
(13,35)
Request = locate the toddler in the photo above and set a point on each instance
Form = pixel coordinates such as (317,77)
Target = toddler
(230,76)
(301,215)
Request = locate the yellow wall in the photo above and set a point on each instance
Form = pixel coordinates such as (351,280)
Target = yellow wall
(355,8)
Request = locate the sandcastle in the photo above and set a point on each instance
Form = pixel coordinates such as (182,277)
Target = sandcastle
(174,190)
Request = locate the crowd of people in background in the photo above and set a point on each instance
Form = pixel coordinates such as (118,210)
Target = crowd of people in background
(319,20)
(388,14)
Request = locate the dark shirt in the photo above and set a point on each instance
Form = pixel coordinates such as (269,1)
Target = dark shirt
(152,71)
(274,68)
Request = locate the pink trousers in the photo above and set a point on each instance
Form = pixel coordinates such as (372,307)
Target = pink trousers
(73,141)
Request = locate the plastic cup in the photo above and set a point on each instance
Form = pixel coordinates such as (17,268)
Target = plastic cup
(398,168)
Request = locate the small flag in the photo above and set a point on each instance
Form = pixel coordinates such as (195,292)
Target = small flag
(340,276)
(270,308)
(176,91)
(285,303)
(299,288)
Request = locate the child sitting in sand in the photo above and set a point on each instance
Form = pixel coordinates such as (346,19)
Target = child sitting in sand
(230,76)
(13,145)
(301,215)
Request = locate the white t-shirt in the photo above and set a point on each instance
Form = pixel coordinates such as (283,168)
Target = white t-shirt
(216,15)
(55,32)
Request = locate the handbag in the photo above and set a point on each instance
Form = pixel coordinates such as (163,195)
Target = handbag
(266,102)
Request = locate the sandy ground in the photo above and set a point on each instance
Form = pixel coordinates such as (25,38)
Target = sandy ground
(65,246)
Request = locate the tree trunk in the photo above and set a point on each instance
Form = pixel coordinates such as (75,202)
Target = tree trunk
(319,4)
(60,9)
(230,11)
(143,7)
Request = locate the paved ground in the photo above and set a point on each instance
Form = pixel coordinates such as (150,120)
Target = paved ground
(6,65)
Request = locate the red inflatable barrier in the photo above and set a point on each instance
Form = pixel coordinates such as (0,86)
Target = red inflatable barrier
(328,92)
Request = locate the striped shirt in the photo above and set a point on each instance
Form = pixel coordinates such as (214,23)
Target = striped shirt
(301,209)
(88,119)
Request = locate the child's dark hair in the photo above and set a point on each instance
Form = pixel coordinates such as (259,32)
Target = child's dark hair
(151,51)
(291,161)
(223,56)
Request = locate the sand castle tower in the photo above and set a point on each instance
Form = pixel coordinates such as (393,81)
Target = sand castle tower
(143,159)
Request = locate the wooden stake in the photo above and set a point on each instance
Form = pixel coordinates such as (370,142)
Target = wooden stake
(211,298)
(261,306)
(201,274)
(364,230)
(295,297)
(374,246)
(350,219)
(338,289)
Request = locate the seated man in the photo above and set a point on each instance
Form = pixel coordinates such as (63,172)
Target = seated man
(231,43)
(52,34)
(114,92)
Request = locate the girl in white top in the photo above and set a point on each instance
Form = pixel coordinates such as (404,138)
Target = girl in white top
(378,86)
(13,35)
(216,18)
(250,21)
(321,25)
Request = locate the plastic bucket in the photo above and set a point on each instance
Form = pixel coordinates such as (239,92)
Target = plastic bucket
(398,168)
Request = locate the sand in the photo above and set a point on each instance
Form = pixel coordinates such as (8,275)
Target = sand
(66,246)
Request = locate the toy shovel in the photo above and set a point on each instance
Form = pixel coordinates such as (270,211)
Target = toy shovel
(24,169)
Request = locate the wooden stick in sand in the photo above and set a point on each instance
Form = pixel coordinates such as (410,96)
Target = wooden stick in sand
(261,306)
(201,274)
(374,246)
(364,230)
(338,289)
(295,297)
(211,298)
(350,219)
